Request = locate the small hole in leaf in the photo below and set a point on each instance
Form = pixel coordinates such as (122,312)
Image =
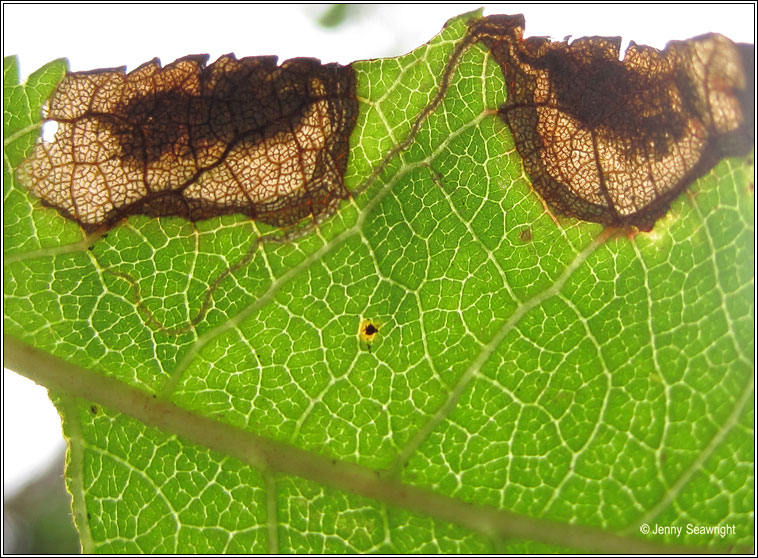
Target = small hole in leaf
(367,332)
(49,129)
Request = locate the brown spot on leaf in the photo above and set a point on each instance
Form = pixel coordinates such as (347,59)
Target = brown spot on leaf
(367,332)
(615,142)
(526,235)
(196,141)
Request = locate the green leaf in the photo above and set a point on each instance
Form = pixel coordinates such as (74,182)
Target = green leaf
(532,387)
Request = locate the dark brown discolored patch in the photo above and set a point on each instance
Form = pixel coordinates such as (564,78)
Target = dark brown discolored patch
(615,142)
(367,332)
(196,141)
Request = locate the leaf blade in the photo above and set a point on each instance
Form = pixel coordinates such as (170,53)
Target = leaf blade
(408,252)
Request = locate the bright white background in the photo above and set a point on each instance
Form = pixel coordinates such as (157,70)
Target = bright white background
(93,36)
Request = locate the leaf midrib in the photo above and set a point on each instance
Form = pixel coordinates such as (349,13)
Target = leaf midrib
(272,457)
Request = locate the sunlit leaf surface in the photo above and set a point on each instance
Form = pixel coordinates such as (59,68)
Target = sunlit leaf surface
(557,372)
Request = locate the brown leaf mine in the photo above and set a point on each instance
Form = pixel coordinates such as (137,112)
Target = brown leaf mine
(238,136)
(616,141)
